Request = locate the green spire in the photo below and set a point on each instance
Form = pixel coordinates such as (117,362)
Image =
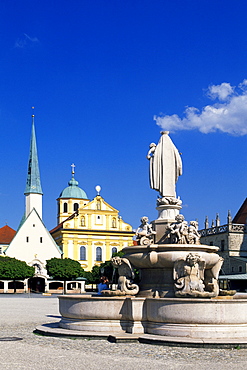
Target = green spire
(33,184)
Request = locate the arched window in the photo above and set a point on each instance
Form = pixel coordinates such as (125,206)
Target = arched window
(98,254)
(114,222)
(76,206)
(65,208)
(114,250)
(83,253)
(83,223)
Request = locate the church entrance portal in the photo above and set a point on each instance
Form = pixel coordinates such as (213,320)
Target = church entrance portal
(36,285)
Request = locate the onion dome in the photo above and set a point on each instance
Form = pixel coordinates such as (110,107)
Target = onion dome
(73,190)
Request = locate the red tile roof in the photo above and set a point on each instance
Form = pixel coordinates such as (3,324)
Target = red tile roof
(6,234)
(241,215)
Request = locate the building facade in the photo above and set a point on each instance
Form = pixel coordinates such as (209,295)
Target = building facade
(89,231)
(231,239)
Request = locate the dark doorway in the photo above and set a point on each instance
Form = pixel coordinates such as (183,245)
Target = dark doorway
(36,285)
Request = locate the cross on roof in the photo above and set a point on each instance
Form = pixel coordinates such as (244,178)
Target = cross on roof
(73,168)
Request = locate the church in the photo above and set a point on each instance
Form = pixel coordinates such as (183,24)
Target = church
(89,231)
(32,242)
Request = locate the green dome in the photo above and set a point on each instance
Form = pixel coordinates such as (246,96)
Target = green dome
(73,191)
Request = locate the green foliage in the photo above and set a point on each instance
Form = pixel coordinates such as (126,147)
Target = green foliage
(88,276)
(13,269)
(64,269)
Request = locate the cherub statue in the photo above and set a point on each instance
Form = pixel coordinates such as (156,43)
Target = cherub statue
(188,274)
(126,276)
(178,231)
(193,235)
(144,233)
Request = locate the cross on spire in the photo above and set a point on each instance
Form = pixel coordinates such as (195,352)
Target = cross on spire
(73,168)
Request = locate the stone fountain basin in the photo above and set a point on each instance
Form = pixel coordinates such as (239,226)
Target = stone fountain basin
(174,317)
(164,255)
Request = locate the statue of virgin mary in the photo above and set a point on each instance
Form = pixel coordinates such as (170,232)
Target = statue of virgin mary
(165,166)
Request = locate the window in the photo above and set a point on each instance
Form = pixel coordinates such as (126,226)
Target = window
(232,269)
(114,250)
(98,254)
(82,253)
(27,239)
(240,269)
(211,243)
(83,223)
(222,245)
(1,250)
(114,222)
(33,225)
(98,220)
(76,206)
(65,208)
(41,239)
(98,205)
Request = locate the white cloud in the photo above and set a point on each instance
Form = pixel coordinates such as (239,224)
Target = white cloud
(222,92)
(25,41)
(229,116)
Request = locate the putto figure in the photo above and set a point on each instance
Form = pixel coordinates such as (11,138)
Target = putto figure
(145,233)
(189,275)
(193,234)
(165,166)
(178,231)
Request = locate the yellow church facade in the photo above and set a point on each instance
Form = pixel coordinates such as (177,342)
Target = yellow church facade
(89,231)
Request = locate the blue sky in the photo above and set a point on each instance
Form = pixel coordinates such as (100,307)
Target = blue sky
(98,73)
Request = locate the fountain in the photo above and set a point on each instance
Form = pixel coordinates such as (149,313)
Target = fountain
(177,299)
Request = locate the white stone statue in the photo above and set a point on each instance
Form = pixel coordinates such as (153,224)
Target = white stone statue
(165,166)
(189,275)
(193,234)
(192,278)
(126,276)
(177,232)
(145,232)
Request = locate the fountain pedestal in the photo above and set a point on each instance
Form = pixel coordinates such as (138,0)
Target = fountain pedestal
(156,265)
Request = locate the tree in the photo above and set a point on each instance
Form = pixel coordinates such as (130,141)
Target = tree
(64,269)
(104,269)
(13,269)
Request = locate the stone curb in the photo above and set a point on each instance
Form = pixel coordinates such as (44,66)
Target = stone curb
(53,329)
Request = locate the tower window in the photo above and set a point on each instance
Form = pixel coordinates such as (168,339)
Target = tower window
(98,254)
(222,245)
(41,239)
(83,253)
(65,208)
(27,239)
(76,206)
(98,205)
(240,269)
(83,221)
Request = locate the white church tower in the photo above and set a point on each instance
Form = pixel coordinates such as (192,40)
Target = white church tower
(33,243)
(33,191)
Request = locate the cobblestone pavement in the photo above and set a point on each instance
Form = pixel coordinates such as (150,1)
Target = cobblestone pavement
(20,315)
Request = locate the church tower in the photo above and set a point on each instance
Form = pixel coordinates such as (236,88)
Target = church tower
(33,191)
